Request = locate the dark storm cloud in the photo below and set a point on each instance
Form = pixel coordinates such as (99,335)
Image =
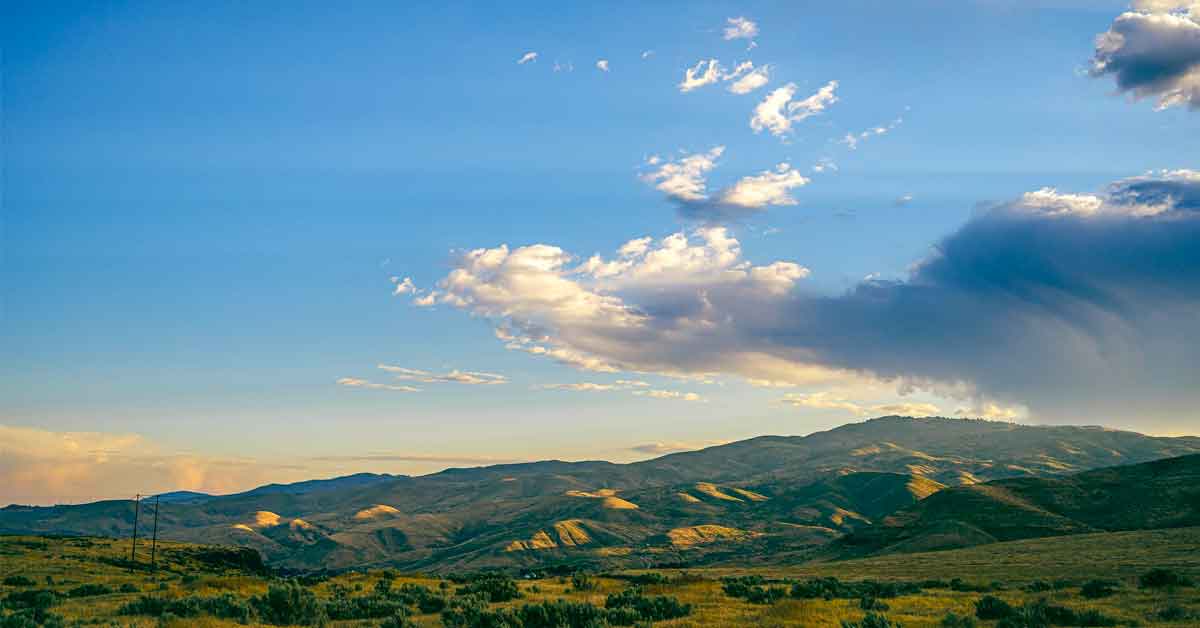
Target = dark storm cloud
(1077,305)
(1153,55)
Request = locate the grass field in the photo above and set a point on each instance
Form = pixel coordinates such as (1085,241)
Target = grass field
(62,565)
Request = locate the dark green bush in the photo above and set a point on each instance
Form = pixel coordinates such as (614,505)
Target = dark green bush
(1040,614)
(1173,612)
(562,614)
(471,611)
(493,587)
(830,588)
(958,584)
(363,607)
(1038,586)
(580,581)
(954,620)
(872,620)
(90,589)
(648,578)
(991,607)
(225,606)
(289,603)
(1094,589)
(647,608)
(869,603)
(399,620)
(128,587)
(1156,579)
(31,599)
(18,581)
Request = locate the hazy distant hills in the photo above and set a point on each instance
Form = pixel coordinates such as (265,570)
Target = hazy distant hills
(881,481)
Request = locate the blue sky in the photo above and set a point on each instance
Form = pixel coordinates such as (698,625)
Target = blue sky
(205,205)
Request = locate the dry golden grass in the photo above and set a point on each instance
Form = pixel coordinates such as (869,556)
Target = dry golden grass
(1121,556)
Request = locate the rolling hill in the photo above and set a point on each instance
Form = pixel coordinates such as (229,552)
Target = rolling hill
(778,495)
(1152,495)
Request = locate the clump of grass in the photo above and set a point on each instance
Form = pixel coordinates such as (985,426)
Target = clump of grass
(873,620)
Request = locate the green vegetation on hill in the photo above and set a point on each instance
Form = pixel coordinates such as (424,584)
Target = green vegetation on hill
(763,497)
(1151,575)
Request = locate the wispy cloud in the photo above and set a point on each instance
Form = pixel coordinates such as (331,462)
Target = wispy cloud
(474,378)
(670,394)
(528,57)
(851,140)
(354,382)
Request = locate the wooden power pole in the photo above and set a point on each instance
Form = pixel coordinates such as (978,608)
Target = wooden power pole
(137,508)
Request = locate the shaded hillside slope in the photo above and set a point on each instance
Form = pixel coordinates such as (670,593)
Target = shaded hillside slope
(1159,494)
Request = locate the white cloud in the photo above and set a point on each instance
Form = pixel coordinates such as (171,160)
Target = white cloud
(474,378)
(751,80)
(668,447)
(832,401)
(903,200)
(354,382)
(602,65)
(777,112)
(581,387)
(646,54)
(667,306)
(670,394)
(403,286)
(528,57)
(685,181)
(771,187)
(684,178)
(703,73)
(823,164)
(564,67)
(740,28)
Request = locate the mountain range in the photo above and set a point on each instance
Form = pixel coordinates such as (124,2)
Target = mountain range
(884,485)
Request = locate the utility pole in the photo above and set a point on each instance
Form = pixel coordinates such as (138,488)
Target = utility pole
(137,509)
(154,539)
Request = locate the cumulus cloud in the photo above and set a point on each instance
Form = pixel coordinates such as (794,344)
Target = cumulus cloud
(740,28)
(699,75)
(750,79)
(778,111)
(474,378)
(744,76)
(665,306)
(684,181)
(354,382)
(1079,307)
(528,57)
(602,65)
(1154,52)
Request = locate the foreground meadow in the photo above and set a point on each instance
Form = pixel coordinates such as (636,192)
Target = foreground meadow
(1118,579)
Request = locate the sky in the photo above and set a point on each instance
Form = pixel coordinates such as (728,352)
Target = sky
(255,242)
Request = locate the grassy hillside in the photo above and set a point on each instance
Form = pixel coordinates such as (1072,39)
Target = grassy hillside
(89,582)
(771,495)
(1159,494)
